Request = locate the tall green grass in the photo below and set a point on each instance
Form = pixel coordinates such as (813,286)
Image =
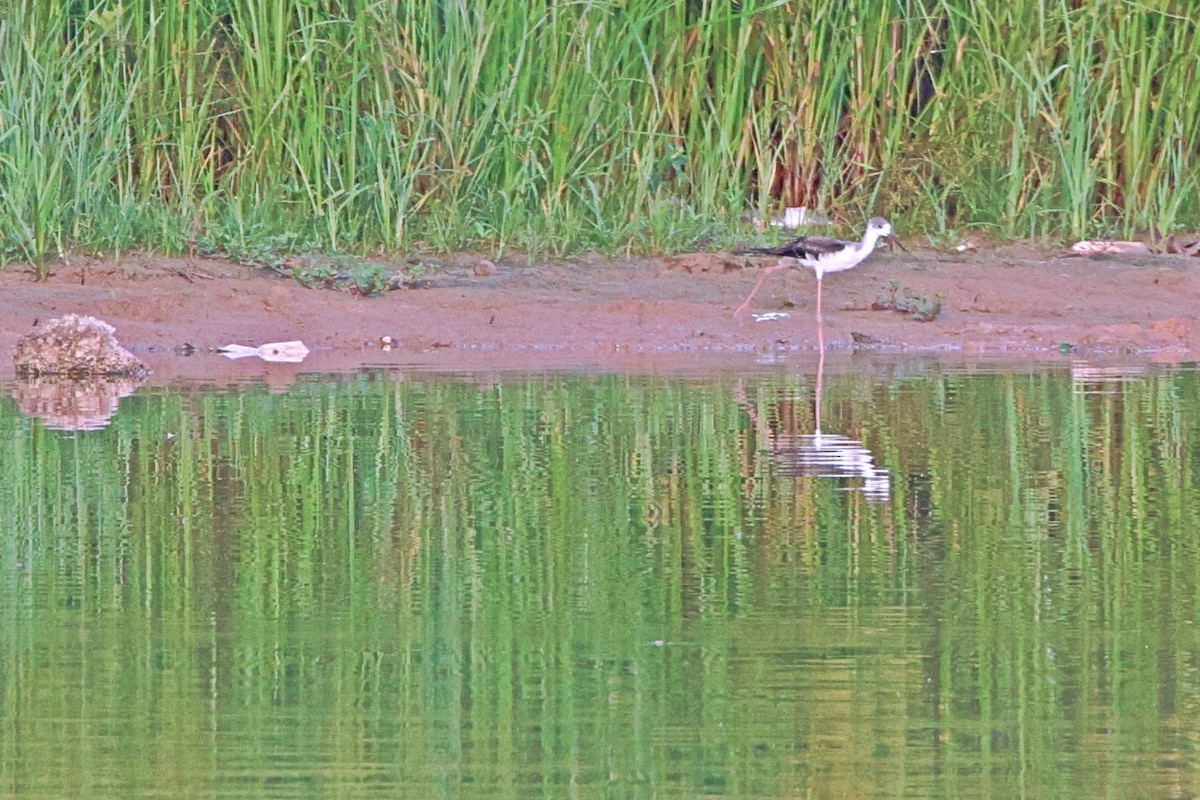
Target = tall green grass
(556,127)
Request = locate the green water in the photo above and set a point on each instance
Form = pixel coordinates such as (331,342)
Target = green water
(608,586)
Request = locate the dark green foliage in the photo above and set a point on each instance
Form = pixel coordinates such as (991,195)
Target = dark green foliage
(555,126)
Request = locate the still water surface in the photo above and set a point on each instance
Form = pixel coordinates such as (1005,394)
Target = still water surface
(969,584)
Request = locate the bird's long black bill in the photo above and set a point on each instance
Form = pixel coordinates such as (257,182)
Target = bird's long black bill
(893,239)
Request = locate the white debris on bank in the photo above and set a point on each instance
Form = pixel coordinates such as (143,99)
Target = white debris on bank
(1096,247)
(284,352)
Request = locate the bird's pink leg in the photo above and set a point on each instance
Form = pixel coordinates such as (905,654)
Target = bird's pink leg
(820,319)
(820,357)
(762,277)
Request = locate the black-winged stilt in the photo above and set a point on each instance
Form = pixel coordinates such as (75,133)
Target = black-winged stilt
(820,254)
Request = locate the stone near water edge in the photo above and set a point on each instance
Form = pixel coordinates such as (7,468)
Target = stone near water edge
(76,346)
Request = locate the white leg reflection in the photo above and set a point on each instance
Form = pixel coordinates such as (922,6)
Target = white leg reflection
(819,454)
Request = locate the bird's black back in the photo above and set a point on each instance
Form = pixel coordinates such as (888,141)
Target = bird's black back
(801,247)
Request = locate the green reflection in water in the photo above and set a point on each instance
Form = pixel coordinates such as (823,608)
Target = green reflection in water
(606,586)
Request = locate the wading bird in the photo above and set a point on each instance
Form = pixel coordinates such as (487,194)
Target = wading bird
(820,254)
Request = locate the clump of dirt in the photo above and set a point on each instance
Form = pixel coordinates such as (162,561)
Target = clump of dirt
(77,346)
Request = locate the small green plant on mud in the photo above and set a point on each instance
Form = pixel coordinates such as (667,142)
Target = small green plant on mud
(313,274)
(903,300)
(370,279)
(252,247)
(343,273)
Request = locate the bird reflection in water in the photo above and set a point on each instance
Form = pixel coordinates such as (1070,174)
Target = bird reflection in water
(831,455)
(820,454)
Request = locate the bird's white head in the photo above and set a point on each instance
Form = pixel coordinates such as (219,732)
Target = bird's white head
(879,226)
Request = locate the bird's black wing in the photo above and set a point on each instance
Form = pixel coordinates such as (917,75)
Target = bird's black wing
(802,247)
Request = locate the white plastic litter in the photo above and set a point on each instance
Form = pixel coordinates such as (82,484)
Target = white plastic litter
(286,352)
(1095,247)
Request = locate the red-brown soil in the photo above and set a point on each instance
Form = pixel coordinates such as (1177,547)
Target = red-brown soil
(644,314)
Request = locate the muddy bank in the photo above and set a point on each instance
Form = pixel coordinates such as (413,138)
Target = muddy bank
(642,314)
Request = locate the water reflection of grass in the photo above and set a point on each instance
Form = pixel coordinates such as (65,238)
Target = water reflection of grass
(603,576)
